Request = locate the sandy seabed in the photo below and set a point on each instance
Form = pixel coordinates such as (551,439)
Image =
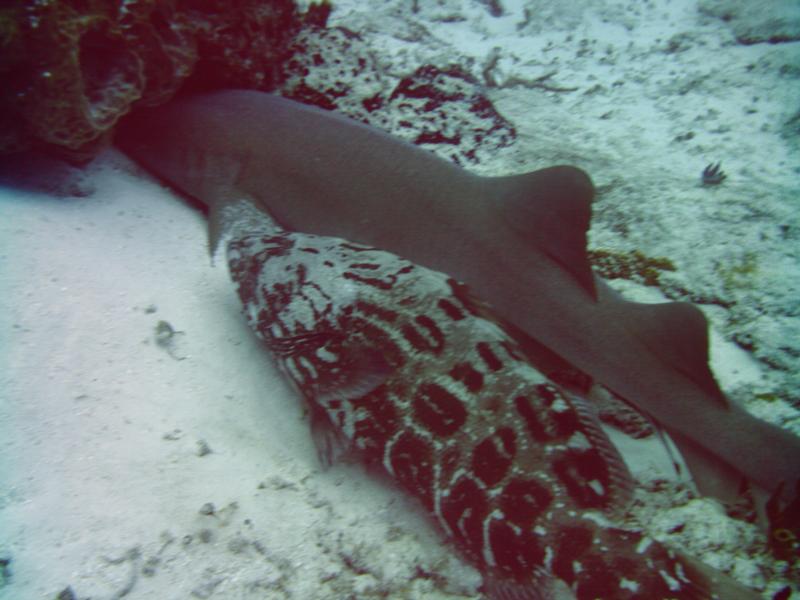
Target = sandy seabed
(150,449)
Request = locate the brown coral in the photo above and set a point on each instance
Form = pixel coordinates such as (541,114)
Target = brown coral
(71,73)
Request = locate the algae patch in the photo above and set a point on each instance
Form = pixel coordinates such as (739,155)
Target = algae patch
(633,266)
(739,273)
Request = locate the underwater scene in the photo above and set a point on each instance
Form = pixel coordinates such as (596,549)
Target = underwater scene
(400,299)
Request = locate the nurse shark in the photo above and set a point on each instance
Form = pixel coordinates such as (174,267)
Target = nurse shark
(519,242)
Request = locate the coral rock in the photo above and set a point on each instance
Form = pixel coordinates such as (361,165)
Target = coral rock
(71,69)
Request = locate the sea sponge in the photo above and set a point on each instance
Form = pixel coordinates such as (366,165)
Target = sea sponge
(72,68)
(70,73)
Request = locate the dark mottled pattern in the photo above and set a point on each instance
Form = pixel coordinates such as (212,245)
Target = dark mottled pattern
(468,375)
(424,335)
(450,309)
(412,461)
(585,475)
(488,357)
(464,510)
(382,423)
(523,501)
(439,411)
(518,553)
(417,376)
(493,456)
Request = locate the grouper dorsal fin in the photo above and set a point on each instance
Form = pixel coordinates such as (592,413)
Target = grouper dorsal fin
(677,333)
(552,209)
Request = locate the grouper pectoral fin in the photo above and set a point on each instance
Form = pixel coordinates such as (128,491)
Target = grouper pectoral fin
(368,371)
(552,209)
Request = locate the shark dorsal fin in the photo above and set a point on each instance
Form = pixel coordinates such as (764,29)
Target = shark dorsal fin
(677,332)
(552,208)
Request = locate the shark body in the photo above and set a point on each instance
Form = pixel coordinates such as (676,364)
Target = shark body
(519,242)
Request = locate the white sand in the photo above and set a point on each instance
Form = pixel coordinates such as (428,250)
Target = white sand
(103,481)
(102,427)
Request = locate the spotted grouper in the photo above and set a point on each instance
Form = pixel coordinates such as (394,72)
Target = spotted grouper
(400,365)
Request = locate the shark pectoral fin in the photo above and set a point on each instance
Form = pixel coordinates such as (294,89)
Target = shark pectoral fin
(677,333)
(552,209)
